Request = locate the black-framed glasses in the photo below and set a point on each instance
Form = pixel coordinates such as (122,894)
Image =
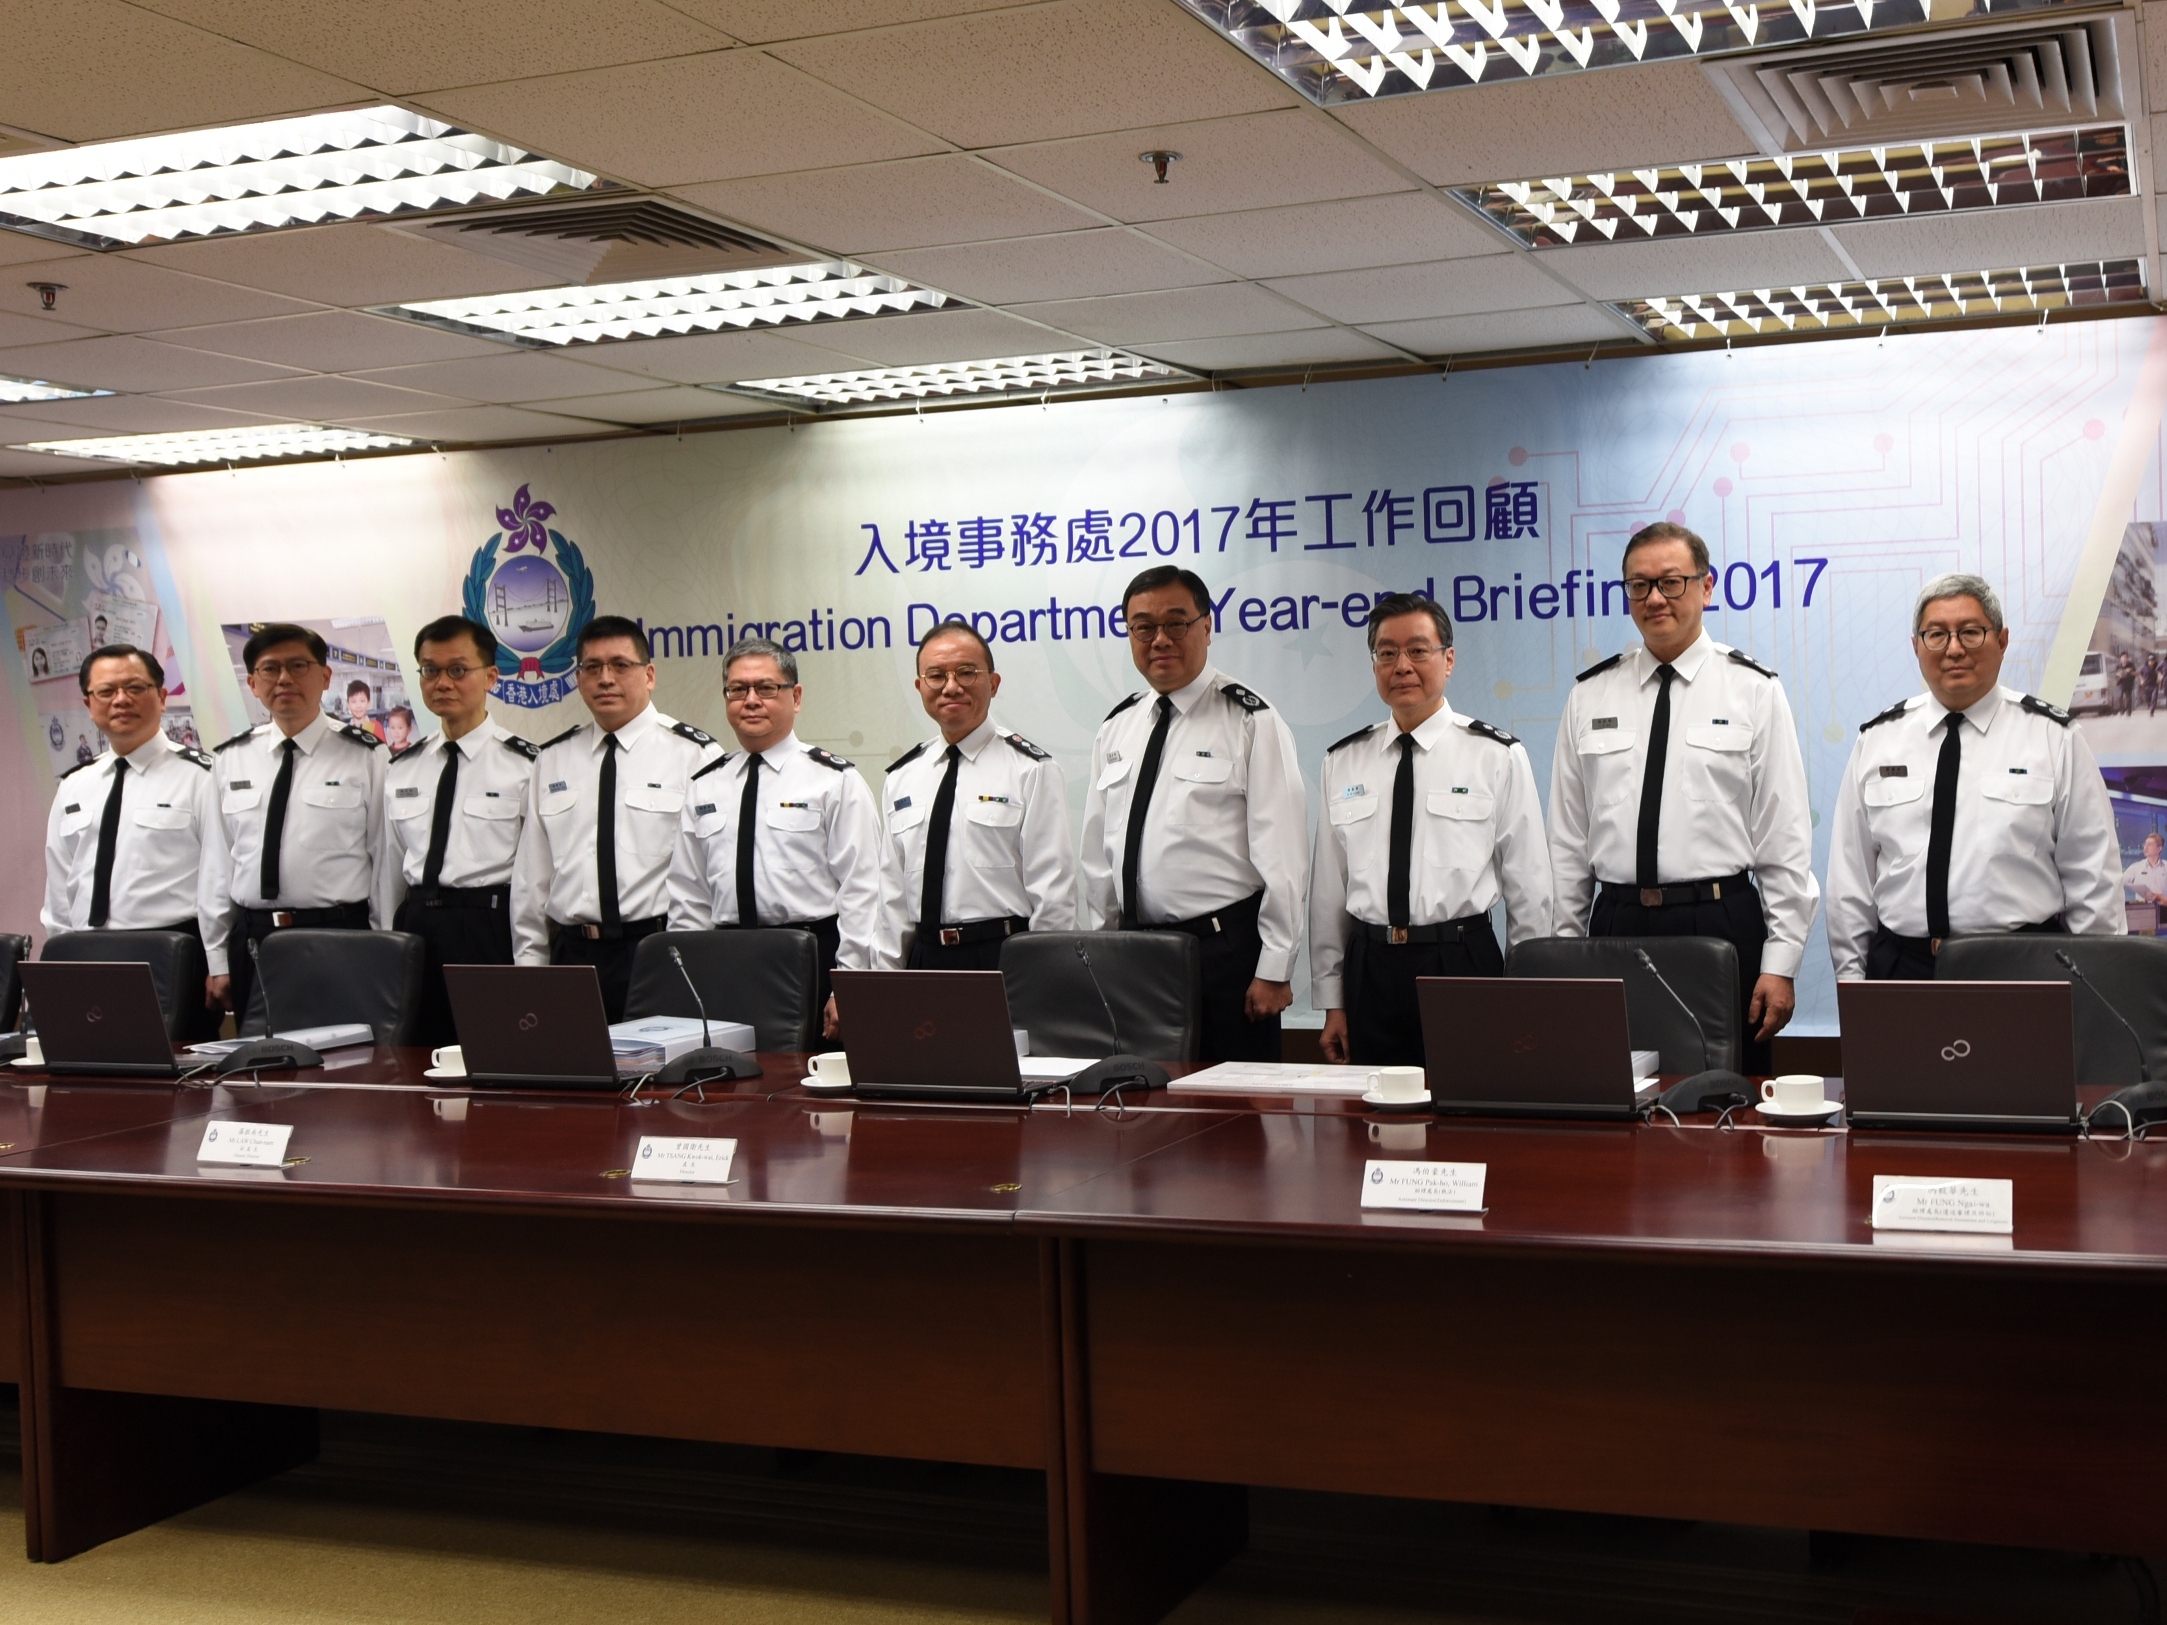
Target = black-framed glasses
(271,670)
(767,688)
(1672,588)
(107,693)
(1967,638)
(457,672)
(1176,627)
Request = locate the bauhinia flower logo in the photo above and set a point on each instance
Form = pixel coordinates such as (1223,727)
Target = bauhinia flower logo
(530,586)
(523,523)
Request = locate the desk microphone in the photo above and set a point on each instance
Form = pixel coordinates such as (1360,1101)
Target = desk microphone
(707,1064)
(1119,1070)
(2144,1101)
(263,1054)
(1711,1088)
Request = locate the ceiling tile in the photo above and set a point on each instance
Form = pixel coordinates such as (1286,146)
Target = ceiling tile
(1188,313)
(2155,56)
(762,21)
(1406,292)
(120,296)
(90,70)
(1503,330)
(1762,259)
(944,335)
(138,366)
(723,358)
(699,118)
(1075,67)
(1071,265)
(352,264)
(478,423)
(1319,346)
(659,406)
(317,400)
(514,376)
(335,341)
(1399,229)
(912,203)
(20,248)
(1663,113)
(1997,240)
(16,331)
(402,46)
(144,414)
(1254,161)
(23,421)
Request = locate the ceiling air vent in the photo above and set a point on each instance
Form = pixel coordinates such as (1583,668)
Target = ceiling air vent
(1930,85)
(626,241)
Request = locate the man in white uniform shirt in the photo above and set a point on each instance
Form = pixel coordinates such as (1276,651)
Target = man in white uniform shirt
(1428,820)
(2146,879)
(1678,784)
(124,840)
(1196,821)
(1968,809)
(457,806)
(608,798)
(298,822)
(976,846)
(778,832)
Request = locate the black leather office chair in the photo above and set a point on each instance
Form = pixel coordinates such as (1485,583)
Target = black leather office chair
(1703,970)
(13,951)
(176,967)
(768,979)
(327,978)
(1151,979)
(2130,973)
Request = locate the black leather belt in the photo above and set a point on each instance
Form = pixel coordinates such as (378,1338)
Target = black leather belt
(828,923)
(2052,926)
(1677,896)
(629,931)
(1244,912)
(1416,936)
(271,919)
(490,897)
(966,933)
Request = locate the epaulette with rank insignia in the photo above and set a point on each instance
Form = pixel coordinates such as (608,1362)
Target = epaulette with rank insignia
(1018,742)
(1738,658)
(561,738)
(1242,697)
(523,747)
(828,758)
(202,759)
(1123,706)
(2039,708)
(1359,733)
(405,751)
(241,738)
(1890,715)
(908,756)
(360,736)
(718,762)
(1490,730)
(1599,668)
(685,730)
(78,767)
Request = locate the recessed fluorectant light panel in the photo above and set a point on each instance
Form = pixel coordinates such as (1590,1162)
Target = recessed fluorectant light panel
(1854,307)
(257,443)
(1012,375)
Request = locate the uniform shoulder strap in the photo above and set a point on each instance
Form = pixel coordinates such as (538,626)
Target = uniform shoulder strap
(522,747)
(360,736)
(405,751)
(1490,730)
(718,762)
(1890,715)
(2039,708)
(202,759)
(1599,668)
(1035,752)
(1123,706)
(1359,733)
(1739,658)
(79,766)
(241,738)
(685,730)
(561,738)
(828,758)
(908,756)
(1245,698)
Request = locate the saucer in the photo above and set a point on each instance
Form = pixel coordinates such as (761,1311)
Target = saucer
(1418,1103)
(439,1072)
(815,1086)
(1819,1115)
(26,1064)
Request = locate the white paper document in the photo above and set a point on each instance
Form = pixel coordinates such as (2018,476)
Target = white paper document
(663,1160)
(339,1036)
(1984,1207)
(245,1145)
(1274,1078)
(1424,1187)
(651,1043)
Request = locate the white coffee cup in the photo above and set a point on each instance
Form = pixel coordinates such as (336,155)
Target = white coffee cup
(33,1051)
(450,1059)
(452,1108)
(830,1068)
(1022,1036)
(1396,1083)
(1796,1093)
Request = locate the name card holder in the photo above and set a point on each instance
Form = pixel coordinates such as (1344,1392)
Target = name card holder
(1424,1187)
(1979,1207)
(664,1160)
(245,1145)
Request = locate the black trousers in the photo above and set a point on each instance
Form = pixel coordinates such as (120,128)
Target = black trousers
(1736,917)
(1891,958)
(1384,1023)
(466,926)
(252,926)
(1231,945)
(610,956)
(928,952)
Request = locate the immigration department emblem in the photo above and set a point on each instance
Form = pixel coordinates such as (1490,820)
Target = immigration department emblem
(532,588)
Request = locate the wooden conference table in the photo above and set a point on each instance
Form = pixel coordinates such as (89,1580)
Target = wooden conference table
(1153,1306)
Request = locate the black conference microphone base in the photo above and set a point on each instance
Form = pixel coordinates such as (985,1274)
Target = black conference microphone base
(709,1064)
(267,1055)
(1118,1072)
(1708,1091)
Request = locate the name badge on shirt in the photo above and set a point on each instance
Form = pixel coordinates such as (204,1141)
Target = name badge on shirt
(557,787)
(1353,790)
(1895,770)
(1203,753)
(73,807)
(404,794)
(1603,722)
(899,806)
(703,809)
(240,784)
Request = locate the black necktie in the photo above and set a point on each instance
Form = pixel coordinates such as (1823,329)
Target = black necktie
(101,879)
(274,819)
(1399,878)
(1651,782)
(605,834)
(1147,780)
(936,847)
(748,822)
(447,789)
(1943,834)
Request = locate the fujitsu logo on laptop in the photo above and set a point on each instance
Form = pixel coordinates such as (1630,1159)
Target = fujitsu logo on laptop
(924,1030)
(529,1021)
(94,1013)
(1526,1044)
(1957,1050)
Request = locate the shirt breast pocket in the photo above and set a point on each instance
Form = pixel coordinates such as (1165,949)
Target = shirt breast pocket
(81,818)
(1879,793)
(163,818)
(1460,821)
(2017,802)
(652,816)
(340,799)
(1201,785)
(1717,762)
(488,806)
(996,833)
(413,806)
(1606,762)
(1351,810)
(794,820)
(234,802)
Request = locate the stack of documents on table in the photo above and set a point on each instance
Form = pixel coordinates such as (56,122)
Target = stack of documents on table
(650,1044)
(336,1036)
(1274,1078)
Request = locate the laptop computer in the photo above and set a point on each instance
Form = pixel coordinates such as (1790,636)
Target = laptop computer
(99,1018)
(1529,1046)
(532,1024)
(937,1035)
(1960,1055)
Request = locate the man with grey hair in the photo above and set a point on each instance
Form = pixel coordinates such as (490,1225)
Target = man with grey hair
(778,832)
(1970,809)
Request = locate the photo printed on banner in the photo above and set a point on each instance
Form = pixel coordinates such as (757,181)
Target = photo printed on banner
(2120,701)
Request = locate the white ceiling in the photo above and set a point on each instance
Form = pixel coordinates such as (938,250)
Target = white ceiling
(985,148)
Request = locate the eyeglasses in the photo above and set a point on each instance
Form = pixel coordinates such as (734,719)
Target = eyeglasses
(271,670)
(1420,653)
(107,693)
(1968,638)
(457,673)
(940,677)
(768,689)
(1175,627)
(619,669)
(1670,587)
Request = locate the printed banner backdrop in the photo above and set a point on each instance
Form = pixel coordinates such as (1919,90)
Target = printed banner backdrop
(1829,479)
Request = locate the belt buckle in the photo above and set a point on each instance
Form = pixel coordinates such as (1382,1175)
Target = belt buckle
(1396,935)
(1933,945)
(593,933)
(281,916)
(1715,891)
(951,936)
(1651,897)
